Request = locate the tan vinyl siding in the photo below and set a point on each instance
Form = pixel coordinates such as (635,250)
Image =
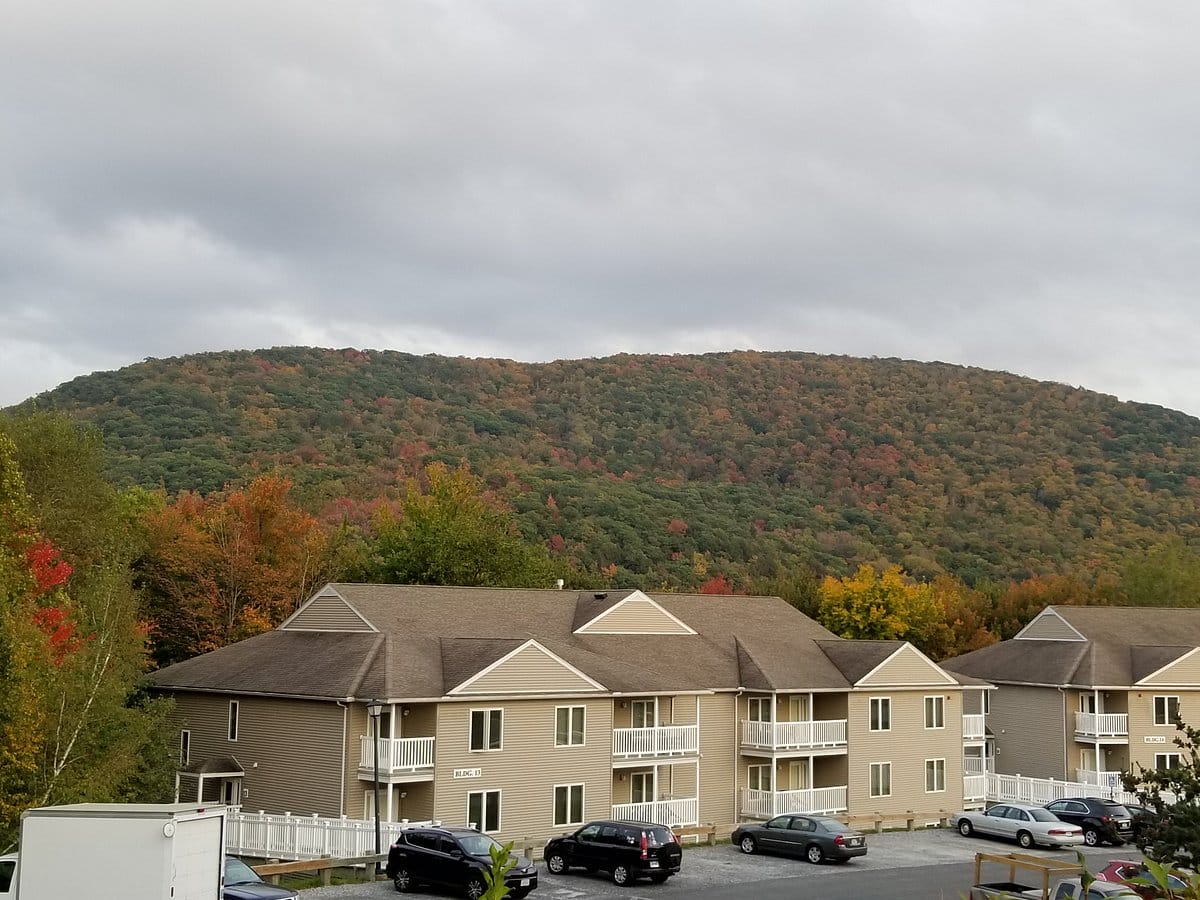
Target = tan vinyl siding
(290,750)
(1049,626)
(1141,722)
(421,720)
(906,747)
(1031,730)
(528,766)
(972,702)
(907,666)
(327,614)
(356,726)
(635,616)
(529,670)
(1185,671)
(719,730)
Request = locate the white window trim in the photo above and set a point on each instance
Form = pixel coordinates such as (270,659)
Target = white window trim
(1158,756)
(770,775)
(570,716)
(471,730)
(985,705)
(870,778)
(1166,709)
(185,746)
(871,702)
(234,721)
(934,771)
(483,809)
(939,703)
(582,804)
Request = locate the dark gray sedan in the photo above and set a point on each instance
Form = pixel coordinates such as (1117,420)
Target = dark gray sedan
(816,838)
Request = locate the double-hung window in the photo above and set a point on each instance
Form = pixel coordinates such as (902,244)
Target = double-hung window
(568,804)
(185,747)
(1166,710)
(881,779)
(935,775)
(568,726)
(483,810)
(758,778)
(487,729)
(881,714)
(935,712)
(233,720)
(1164,761)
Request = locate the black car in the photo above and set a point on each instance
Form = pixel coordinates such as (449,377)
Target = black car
(1143,817)
(1101,820)
(625,850)
(816,838)
(243,883)
(452,858)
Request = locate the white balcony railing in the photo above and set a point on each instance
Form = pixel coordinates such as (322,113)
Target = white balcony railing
(1108,780)
(978,765)
(765,804)
(685,811)
(397,754)
(974,727)
(794,735)
(974,788)
(663,740)
(1102,724)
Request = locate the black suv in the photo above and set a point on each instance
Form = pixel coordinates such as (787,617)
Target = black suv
(1100,819)
(626,850)
(452,858)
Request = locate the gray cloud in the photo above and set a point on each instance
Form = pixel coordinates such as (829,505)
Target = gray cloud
(1002,185)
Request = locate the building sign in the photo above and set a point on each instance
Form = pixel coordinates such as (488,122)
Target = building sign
(1155,739)
(468,773)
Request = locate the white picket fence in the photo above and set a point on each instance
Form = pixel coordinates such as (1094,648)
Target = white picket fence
(290,837)
(1021,789)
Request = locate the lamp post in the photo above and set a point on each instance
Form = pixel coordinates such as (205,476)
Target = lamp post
(375,710)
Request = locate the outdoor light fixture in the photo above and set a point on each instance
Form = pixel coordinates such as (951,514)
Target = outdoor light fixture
(375,711)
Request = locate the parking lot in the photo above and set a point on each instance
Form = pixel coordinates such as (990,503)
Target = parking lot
(724,864)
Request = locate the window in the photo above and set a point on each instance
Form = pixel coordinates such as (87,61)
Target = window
(1166,760)
(483,810)
(568,726)
(185,747)
(568,804)
(986,707)
(644,713)
(881,713)
(1166,710)
(881,779)
(935,775)
(641,787)
(233,720)
(758,778)
(935,712)
(759,709)
(487,727)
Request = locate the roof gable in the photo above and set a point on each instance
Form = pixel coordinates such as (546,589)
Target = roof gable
(1048,625)
(635,614)
(527,669)
(327,611)
(1183,670)
(907,665)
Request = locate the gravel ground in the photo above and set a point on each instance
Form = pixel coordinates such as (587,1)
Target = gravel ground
(722,865)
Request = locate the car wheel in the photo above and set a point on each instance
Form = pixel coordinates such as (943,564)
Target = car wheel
(1025,839)
(964,828)
(660,877)
(403,881)
(557,864)
(620,874)
(476,888)
(1091,837)
(748,844)
(814,854)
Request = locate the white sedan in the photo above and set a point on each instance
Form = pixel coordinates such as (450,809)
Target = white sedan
(1027,825)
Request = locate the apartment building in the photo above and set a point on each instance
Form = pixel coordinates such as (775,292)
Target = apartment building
(527,712)
(1084,693)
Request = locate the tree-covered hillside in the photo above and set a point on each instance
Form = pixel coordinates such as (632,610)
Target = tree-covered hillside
(670,467)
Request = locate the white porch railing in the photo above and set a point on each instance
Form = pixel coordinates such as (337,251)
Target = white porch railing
(794,735)
(1021,789)
(1102,724)
(974,727)
(765,804)
(978,765)
(303,837)
(663,740)
(665,812)
(397,754)
(1102,779)
(974,788)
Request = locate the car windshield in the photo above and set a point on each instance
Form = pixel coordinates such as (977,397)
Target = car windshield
(833,825)
(476,844)
(1116,809)
(237,872)
(1042,815)
(658,836)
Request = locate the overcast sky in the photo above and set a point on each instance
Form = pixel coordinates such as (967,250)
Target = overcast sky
(1007,185)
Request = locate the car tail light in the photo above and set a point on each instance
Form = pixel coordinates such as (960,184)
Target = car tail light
(1061,831)
(645,847)
(839,840)
(1106,819)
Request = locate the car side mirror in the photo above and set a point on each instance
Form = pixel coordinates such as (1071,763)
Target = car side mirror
(456,854)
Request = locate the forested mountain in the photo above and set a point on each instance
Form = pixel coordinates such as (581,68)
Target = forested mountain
(659,469)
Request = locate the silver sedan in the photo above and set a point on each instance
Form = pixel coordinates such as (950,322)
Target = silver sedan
(1027,825)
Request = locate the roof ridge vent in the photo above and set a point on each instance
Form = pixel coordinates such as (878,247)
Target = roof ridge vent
(600,595)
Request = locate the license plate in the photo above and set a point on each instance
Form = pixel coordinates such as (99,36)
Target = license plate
(524,882)
(654,863)
(854,842)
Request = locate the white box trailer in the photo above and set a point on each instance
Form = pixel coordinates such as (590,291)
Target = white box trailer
(130,851)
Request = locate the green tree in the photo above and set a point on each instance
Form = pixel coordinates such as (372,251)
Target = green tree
(447,531)
(1172,836)
(875,605)
(1166,576)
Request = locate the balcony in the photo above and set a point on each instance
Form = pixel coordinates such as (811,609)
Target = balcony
(1102,725)
(397,756)
(685,811)
(765,804)
(974,788)
(813,735)
(1109,780)
(654,743)
(974,727)
(979,765)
